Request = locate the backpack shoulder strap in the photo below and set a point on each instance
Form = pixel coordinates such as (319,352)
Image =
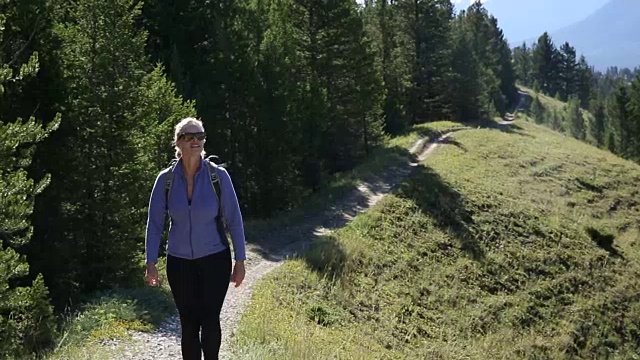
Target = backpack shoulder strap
(167,183)
(215,183)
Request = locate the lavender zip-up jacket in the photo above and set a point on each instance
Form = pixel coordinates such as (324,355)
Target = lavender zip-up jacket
(192,229)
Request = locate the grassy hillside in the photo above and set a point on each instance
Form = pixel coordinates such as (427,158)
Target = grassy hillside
(505,244)
(548,102)
(551,103)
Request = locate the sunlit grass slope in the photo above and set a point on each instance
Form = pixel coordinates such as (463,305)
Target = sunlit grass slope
(551,103)
(508,243)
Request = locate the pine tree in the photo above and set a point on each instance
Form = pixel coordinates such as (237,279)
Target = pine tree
(556,121)
(568,71)
(618,119)
(548,118)
(584,82)
(537,110)
(426,45)
(574,119)
(383,29)
(279,95)
(536,87)
(505,70)
(597,123)
(522,64)
(307,20)
(546,65)
(611,142)
(218,59)
(632,125)
(349,80)
(157,109)
(488,47)
(465,85)
(26,317)
(91,239)
(207,51)
(370,98)
(28,30)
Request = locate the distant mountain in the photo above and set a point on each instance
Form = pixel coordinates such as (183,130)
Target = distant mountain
(521,19)
(608,37)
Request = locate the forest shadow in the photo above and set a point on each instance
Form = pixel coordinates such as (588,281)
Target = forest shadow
(445,205)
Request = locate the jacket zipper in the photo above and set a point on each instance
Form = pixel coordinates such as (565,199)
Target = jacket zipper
(189,201)
(190,240)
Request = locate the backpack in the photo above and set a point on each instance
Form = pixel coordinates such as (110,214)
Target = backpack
(215,185)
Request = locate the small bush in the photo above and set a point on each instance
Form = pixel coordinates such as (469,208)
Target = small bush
(26,317)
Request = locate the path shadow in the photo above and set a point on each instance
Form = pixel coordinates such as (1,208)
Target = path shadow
(326,256)
(507,127)
(331,209)
(436,198)
(445,205)
(275,240)
(454,142)
(436,138)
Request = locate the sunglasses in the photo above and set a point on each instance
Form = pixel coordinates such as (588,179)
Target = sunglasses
(190,136)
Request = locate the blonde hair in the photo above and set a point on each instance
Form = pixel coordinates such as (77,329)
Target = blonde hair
(178,131)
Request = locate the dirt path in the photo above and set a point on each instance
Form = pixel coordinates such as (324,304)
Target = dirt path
(164,343)
(520,107)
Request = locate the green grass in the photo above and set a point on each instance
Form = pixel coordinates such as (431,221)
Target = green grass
(550,104)
(111,315)
(513,244)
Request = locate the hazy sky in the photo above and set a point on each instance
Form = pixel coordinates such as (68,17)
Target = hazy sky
(525,19)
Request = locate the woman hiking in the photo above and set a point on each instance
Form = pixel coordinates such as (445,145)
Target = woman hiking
(199,197)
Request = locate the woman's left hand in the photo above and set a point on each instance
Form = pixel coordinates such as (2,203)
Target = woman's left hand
(238,273)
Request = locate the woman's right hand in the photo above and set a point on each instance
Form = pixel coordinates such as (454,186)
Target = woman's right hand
(151,275)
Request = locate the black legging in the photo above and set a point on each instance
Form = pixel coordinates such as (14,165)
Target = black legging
(199,287)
